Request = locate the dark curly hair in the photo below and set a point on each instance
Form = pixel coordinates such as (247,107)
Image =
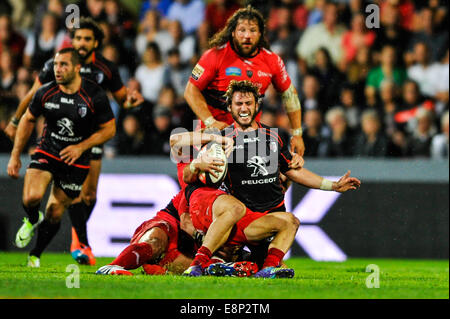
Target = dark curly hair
(244,86)
(248,13)
(90,24)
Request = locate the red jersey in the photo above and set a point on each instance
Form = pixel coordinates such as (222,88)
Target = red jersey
(218,66)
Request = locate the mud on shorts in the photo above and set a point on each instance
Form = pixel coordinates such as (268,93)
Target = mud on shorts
(69,178)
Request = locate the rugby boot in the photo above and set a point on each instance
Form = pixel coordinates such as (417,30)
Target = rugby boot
(26,231)
(80,252)
(33,262)
(193,271)
(275,272)
(232,269)
(113,270)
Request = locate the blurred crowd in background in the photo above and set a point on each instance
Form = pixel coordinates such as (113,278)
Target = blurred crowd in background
(365,92)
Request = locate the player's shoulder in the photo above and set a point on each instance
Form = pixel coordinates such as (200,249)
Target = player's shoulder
(107,66)
(229,131)
(217,51)
(46,87)
(269,56)
(45,91)
(91,88)
(273,132)
(46,71)
(49,64)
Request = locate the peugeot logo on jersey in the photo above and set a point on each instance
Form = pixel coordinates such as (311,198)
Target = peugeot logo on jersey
(258,164)
(66,126)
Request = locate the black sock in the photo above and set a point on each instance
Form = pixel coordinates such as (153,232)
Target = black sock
(77,213)
(46,232)
(32,212)
(89,209)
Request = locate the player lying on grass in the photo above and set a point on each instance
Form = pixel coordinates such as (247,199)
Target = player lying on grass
(259,156)
(155,245)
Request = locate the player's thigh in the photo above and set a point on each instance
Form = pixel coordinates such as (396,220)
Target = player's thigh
(265,226)
(91,182)
(230,205)
(35,184)
(57,203)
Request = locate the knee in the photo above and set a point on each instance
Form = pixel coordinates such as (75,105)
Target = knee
(237,211)
(295,221)
(89,197)
(31,199)
(290,222)
(54,212)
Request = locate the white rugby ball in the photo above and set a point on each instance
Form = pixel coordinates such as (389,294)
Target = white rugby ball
(214,150)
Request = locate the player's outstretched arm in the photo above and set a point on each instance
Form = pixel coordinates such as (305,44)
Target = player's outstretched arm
(24,130)
(312,180)
(197,103)
(12,126)
(294,112)
(72,152)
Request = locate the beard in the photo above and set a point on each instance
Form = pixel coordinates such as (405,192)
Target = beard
(68,78)
(245,54)
(84,56)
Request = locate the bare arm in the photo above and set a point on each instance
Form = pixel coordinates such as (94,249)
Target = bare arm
(197,103)
(180,143)
(294,112)
(24,131)
(11,128)
(312,180)
(72,152)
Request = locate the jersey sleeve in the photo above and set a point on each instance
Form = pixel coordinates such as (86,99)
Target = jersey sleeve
(285,156)
(205,70)
(46,74)
(35,105)
(103,111)
(280,79)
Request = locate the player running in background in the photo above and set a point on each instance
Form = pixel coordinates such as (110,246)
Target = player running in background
(259,155)
(78,116)
(86,40)
(240,52)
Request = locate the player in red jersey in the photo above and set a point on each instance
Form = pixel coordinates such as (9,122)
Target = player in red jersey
(240,52)
(154,245)
(161,244)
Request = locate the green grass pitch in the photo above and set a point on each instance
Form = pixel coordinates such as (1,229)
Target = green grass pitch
(398,279)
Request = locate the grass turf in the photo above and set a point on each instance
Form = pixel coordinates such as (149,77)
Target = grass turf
(399,279)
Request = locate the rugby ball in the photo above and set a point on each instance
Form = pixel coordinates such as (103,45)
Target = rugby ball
(214,150)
